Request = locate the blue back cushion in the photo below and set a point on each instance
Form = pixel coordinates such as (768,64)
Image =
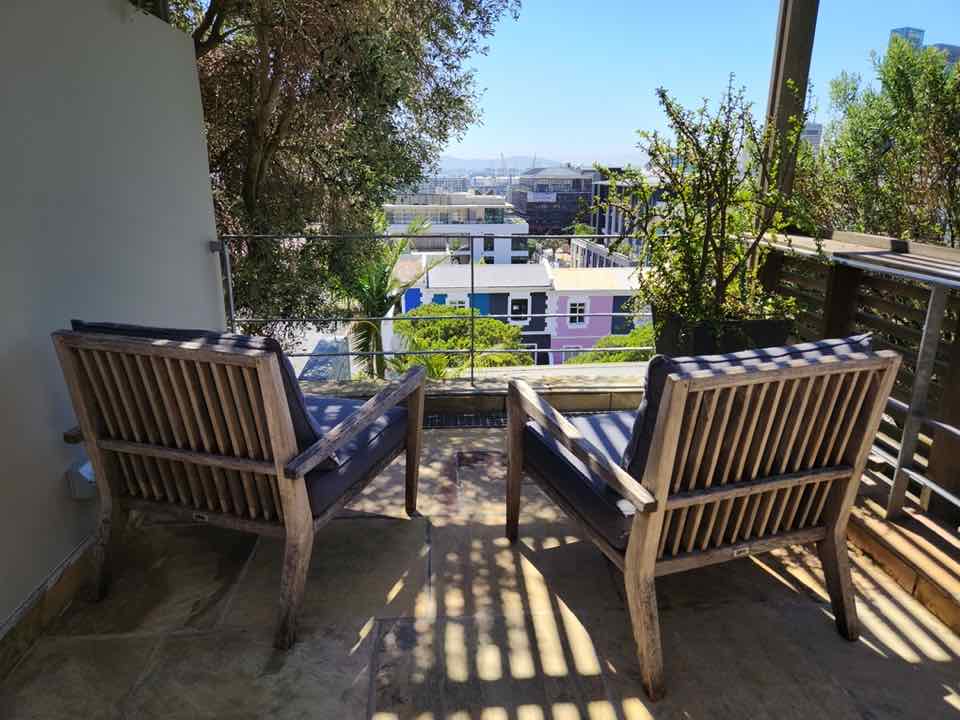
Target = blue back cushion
(635,456)
(303,426)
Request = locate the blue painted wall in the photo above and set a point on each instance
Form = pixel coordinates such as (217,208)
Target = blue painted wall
(412,299)
(481,302)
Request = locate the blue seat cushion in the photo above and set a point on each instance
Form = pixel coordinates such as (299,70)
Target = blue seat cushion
(634,458)
(381,439)
(596,504)
(306,431)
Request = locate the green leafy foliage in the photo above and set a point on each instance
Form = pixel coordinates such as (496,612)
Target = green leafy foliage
(702,207)
(315,112)
(453,333)
(640,336)
(890,161)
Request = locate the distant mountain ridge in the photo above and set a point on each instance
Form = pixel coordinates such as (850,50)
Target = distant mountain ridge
(450,164)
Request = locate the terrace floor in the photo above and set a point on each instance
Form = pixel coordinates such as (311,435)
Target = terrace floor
(438,617)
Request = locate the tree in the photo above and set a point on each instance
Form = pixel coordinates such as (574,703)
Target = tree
(640,337)
(315,111)
(704,212)
(453,333)
(890,162)
(375,290)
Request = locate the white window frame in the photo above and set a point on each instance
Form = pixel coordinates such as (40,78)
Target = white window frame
(581,315)
(458,303)
(520,319)
(534,347)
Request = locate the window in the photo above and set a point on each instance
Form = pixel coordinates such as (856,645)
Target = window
(519,260)
(578,313)
(570,351)
(519,310)
(518,244)
(488,244)
(458,303)
(532,347)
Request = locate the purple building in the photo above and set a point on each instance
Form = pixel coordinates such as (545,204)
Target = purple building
(576,294)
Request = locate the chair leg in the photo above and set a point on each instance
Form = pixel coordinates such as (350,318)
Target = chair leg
(414,445)
(836,572)
(412,472)
(642,602)
(296,562)
(110,527)
(515,422)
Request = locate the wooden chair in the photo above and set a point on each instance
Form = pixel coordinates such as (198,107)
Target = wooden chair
(203,430)
(742,460)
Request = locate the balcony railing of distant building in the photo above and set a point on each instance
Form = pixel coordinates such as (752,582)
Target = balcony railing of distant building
(585,252)
(457,246)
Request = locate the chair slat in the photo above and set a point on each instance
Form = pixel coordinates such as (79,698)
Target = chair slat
(770,412)
(227,481)
(748,436)
(822,420)
(736,438)
(871,381)
(692,410)
(701,437)
(177,428)
(786,408)
(796,423)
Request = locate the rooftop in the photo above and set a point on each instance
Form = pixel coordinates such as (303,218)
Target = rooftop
(559,171)
(439,617)
(532,275)
(586,279)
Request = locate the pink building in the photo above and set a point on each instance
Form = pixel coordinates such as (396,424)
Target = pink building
(576,294)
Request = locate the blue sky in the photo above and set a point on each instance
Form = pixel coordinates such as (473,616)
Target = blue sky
(572,80)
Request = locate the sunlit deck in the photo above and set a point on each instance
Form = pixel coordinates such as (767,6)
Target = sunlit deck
(439,617)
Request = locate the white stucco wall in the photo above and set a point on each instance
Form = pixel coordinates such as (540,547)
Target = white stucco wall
(105,214)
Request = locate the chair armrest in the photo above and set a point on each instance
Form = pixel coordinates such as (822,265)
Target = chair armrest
(393,394)
(73,436)
(538,409)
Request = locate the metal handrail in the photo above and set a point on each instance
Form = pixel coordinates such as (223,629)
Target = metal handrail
(221,247)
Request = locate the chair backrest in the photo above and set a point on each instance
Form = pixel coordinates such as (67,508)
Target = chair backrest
(765,451)
(192,424)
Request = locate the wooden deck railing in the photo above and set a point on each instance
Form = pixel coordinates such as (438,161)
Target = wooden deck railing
(842,293)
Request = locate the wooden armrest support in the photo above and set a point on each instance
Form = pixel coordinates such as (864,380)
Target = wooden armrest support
(536,408)
(73,436)
(346,430)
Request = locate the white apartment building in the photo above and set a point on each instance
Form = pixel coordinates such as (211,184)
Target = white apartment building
(455,218)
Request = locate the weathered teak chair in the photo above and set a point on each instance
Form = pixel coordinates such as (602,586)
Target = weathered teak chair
(753,452)
(215,429)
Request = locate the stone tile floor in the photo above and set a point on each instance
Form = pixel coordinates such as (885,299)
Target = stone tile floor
(439,617)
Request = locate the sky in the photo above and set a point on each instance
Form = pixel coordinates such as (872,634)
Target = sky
(572,80)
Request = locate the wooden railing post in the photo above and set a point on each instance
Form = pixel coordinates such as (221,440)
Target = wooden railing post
(926,354)
(944,468)
(840,304)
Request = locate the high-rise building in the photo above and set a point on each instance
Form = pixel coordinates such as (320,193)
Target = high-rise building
(551,199)
(488,220)
(952,51)
(813,133)
(912,35)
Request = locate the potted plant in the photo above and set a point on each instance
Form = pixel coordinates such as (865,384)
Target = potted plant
(702,207)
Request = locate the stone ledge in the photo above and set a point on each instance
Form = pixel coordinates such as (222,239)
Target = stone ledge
(922,556)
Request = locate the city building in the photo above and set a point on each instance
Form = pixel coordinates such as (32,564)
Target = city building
(444,184)
(517,291)
(583,299)
(813,133)
(453,215)
(586,253)
(551,199)
(915,36)
(912,35)
(952,51)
